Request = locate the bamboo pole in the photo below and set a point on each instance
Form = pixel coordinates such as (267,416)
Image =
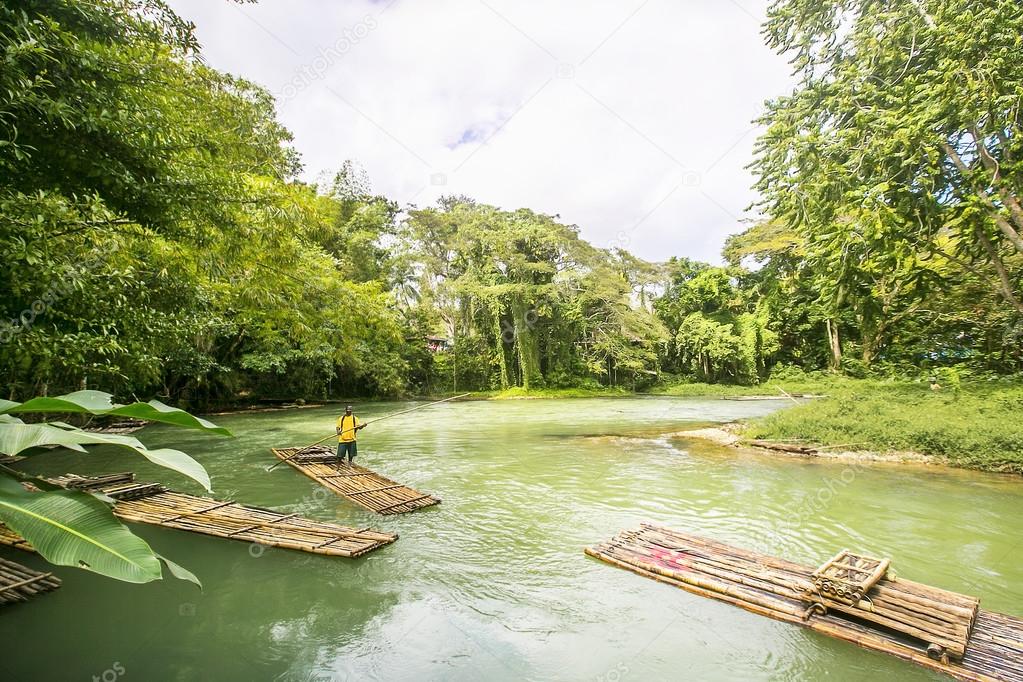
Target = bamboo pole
(20,583)
(300,451)
(26,581)
(371,421)
(787,395)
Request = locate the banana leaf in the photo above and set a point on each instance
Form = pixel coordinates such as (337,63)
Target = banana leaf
(101,404)
(71,528)
(179,571)
(15,438)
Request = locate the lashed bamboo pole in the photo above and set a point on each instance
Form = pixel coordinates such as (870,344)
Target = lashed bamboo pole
(361,486)
(882,598)
(243,523)
(20,583)
(224,518)
(765,585)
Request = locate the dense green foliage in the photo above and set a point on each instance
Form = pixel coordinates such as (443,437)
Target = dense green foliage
(721,332)
(533,304)
(895,164)
(155,239)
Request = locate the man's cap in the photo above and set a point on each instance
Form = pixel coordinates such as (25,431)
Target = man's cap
(348,407)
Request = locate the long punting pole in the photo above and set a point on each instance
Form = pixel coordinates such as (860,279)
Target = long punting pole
(371,421)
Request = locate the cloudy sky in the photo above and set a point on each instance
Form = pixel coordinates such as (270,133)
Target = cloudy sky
(628,118)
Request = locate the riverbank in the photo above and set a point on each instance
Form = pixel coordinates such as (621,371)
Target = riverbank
(730,435)
(555,393)
(974,427)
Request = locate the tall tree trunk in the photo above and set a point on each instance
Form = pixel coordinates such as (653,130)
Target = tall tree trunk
(501,358)
(834,345)
(872,336)
(525,342)
(869,348)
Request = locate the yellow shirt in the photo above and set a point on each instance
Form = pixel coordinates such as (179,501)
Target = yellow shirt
(347,424)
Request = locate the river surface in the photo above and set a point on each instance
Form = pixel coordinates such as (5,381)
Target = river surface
(492,584)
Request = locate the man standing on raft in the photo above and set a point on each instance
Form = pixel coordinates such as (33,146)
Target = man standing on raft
(347,425)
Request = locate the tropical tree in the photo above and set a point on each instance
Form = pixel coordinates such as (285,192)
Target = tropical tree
(720,332)
(771,266)
(538,305)
(903,135)
(153,238)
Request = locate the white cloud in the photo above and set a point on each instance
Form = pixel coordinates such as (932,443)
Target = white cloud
(625,118)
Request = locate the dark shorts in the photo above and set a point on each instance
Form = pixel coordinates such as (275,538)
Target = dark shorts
(347,449)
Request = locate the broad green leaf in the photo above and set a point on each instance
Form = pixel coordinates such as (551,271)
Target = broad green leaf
(16,438)
(180,572)
(101,404)
(72,528)
(155,411)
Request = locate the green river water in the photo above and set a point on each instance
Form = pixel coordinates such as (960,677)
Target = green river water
(493,584)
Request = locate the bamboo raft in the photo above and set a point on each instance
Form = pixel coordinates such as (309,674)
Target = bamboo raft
(357,484)
(934,628)
(154,504)
(9,538)
(20,583)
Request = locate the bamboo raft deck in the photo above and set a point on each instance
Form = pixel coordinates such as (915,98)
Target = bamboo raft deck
(9,538)
(934,628)
(357,484)
(20,583)
(155,504)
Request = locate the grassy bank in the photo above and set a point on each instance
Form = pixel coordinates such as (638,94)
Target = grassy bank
(520,393)
(777,389)
(683,390)
(977,427)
